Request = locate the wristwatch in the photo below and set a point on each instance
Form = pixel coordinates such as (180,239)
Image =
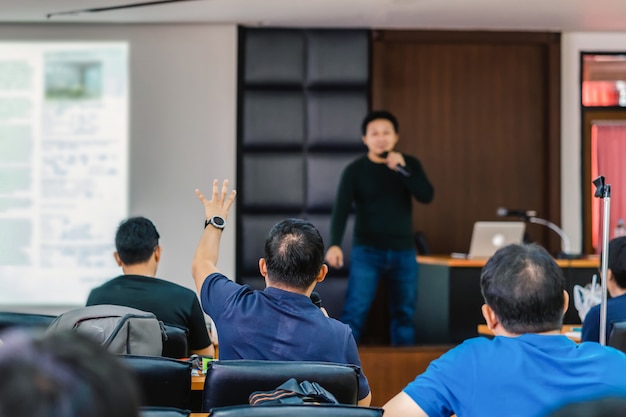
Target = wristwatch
(216,221)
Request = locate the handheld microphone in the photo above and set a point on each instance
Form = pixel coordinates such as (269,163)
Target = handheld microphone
(316,299)
(503,212)
(399,168)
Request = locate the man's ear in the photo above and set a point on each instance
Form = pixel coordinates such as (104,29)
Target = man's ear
(157,253)
(118,260)
(566,302)
(322,274)
(490,316)
(263,267)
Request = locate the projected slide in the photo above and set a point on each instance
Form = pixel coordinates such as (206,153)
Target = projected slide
(63,168)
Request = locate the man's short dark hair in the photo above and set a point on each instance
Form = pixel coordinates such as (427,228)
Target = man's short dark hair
(294,253)
(617,260)
(524,287)
(379,114)
(135,240)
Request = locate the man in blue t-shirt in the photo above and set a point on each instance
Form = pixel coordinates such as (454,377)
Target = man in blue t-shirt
(616,287)
(281,322)
(529,368)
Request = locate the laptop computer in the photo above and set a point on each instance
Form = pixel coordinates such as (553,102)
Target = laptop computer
(487,237)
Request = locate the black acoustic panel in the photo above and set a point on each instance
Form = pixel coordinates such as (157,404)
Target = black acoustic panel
(323,175)
(274,56)
(255,282)
(322,223)
(255,231)
(332,291)
(273,118)
(334,118)
(273,181)
(338,57)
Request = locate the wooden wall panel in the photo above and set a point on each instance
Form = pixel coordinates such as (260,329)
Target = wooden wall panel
(389,369)
(478,109)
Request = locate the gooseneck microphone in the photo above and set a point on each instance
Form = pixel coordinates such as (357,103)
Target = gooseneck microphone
(316,299)
(503,212)
(530,216)
(399,168)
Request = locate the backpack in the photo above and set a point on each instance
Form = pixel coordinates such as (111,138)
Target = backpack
(292,392)
(122,330)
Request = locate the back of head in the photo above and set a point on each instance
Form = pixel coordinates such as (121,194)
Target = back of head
(617,260)
(524,287)
(379,114)
(63,374)
(135,240)
(294,253)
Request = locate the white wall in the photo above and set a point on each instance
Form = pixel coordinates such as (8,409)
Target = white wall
(183,91)
(573,43)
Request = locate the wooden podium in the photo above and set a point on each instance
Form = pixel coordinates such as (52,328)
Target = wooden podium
(449,298)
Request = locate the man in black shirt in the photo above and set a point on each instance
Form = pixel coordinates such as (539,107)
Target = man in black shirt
(381,186)
(138,253)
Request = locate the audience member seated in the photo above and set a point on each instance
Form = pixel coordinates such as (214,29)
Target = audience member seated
(616,287)
(62,374)
(528,368)
(138,253)
(281,322)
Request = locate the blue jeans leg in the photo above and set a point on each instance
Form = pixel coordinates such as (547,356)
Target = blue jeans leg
(402,292)
(366,267)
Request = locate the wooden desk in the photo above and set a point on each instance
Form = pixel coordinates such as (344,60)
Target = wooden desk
(567,330)
(449,298)
(197,382)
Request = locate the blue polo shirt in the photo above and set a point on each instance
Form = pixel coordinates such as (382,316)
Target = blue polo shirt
(530,376)
(274,324)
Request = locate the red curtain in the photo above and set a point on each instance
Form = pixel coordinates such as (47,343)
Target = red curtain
(608,147)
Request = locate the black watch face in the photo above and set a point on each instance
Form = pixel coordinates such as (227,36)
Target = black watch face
(218,221)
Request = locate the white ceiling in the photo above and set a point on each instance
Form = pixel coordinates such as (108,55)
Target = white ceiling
(540,15)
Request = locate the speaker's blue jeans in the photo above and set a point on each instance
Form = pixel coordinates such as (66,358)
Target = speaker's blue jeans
(398,269)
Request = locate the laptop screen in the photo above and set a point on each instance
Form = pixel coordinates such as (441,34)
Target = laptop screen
(487,237)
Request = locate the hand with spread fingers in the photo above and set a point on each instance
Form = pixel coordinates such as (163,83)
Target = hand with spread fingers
(216,212)
(219,204)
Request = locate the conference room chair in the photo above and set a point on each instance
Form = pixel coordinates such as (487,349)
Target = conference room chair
(36,322)
(617,336)
(163,412)
(288,410)
(230,382)
(175,344)
(163,382)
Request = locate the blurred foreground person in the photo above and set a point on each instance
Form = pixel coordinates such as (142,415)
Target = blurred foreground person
(63,374)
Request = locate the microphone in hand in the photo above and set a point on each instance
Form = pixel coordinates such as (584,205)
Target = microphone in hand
(399,168)
(316,299)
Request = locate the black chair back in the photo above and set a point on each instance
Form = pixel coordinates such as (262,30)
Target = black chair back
(163,382)
(287,410)
(163,412)
(230,382)
(37,322)
(176,344)
(617,337)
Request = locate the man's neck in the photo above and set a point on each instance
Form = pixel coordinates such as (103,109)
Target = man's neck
(139,269)
(617,291)
(283,287)
(501,331)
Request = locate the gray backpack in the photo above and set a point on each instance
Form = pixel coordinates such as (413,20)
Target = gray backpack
(122,330)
